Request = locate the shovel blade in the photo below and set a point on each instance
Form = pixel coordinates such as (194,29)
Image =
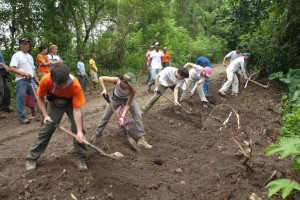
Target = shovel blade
(102,152)
(131,140)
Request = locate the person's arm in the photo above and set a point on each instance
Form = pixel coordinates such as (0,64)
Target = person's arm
(110,79)
(176,95)
(224,60)
(156,82)
(78,121)
(127,106)
(43,109)
(5,66)
(21,73)
(243,67)
(35,77)
(188,65)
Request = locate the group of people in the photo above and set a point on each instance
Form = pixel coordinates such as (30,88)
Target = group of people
(64,94)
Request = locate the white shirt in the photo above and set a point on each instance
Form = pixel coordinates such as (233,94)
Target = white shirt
(156,59)
(195,73)
(81,68)
(233,55)
(54,57)
(237,64)
(23,62)
(167,77)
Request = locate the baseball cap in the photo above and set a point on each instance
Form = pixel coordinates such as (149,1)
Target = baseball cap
(165,48)
(156,43)
(207,71)
(246,54)
(23,40)
(130,78)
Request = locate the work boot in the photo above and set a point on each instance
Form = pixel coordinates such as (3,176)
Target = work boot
(30,165)
(143,111)
(142,142)
(24,121)
(81,165)
(234,94)
(221,93)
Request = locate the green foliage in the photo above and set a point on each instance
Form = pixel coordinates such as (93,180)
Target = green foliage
(285,185)
(285,146)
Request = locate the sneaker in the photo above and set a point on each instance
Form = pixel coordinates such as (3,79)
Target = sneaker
(143,112)
(7,109)
(30,165)
(142,142)
(221,93)
(81,165)
(24,121)
(204,104)
(234,94)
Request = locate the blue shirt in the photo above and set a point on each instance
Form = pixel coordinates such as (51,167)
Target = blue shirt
(202,60)
(1,61)
(81,68)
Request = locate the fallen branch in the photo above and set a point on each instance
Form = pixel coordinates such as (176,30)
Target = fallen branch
(247,157)
(271,177)
(237,115)
(4,176)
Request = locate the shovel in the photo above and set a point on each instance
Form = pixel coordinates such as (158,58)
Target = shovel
(85,141)
(129,138)
(158,92)
(257,83)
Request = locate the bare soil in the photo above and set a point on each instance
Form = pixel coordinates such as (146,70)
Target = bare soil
(186,162)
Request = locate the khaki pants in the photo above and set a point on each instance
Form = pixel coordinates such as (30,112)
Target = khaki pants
(233,80)
(201,94)
(156,96)
(41,142)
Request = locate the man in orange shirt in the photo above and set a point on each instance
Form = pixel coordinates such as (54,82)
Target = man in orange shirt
(166,58)
(64,95)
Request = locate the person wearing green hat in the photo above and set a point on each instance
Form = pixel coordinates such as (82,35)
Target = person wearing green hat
(123,95)
(232,79)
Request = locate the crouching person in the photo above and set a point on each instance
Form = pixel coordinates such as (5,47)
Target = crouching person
(64,95)
(123,95)
(198,76)
(172,78)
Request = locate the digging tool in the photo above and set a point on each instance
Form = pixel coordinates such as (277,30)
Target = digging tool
(129,138)
(85,141)
(158,92)
(249,80)
(264,86)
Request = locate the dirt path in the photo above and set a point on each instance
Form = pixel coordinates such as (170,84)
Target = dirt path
(195,163)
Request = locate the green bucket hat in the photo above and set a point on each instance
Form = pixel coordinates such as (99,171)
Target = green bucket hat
(130,78)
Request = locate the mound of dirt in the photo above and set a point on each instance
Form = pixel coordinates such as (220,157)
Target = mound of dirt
(194,156)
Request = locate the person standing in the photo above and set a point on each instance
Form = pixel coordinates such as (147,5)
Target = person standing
(83,79)
(147,62)
(54,58)
(93,70)
(64,95)
(5,89)
(231,75)
(155,64)
(172,78)
(43,62)
(233,55)
(123,95)
(204,62)
(22,65)
(166,58)
(197,76)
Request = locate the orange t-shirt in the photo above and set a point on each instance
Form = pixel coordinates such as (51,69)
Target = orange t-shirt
(42,68)
(73,91)
(166,57)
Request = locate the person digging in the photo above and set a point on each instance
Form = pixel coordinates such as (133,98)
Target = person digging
(197,75)
(64,95)
(232,79)
(172,78)
(123,95)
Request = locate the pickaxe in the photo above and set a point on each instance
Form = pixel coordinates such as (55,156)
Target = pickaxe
(257,83)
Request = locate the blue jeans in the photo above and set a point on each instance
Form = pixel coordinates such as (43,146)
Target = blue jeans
(22,87)
(206,86)
(153,73)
